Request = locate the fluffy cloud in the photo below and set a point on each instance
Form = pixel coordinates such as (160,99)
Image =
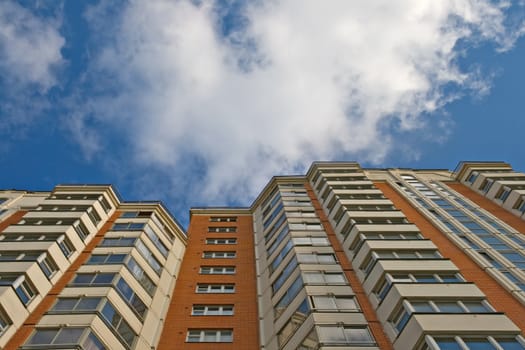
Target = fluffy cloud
(29,56)
(228,96)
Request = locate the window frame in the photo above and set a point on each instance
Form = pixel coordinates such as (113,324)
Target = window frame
(212,310)
(199,335)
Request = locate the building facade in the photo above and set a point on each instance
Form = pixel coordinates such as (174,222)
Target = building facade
(80,269)
(339,258)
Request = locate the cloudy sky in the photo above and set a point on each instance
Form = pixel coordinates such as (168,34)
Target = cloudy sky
(201,102)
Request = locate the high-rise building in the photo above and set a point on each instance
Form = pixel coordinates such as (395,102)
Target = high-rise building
(80,269)
(339,258)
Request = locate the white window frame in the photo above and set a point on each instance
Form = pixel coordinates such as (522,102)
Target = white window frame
(209,336)
(221,240)
(217,270)
(219,255)
(212,310)
(209,288)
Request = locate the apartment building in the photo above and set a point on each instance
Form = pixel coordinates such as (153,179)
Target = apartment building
(341,257)
(81,269)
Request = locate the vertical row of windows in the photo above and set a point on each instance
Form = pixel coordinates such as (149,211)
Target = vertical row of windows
(465,225)
(215,335)
(280,247)
(65,336)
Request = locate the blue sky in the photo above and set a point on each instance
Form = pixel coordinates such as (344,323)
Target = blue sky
(200,102)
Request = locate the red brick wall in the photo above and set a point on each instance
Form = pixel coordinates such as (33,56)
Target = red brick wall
(244,322)
(498,297)
(368,311)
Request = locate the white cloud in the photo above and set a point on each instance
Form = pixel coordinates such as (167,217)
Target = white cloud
(29,57)
(29,46)
(299,81)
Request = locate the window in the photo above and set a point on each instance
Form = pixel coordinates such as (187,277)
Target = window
(212,310)
(141,276)
(287,271)
(104,308)
(513,279)
(490,260)
(93,279)
(156,241)
(113,318)
(334,303)
(217,270)
(301,214)
(105,204)
(268,205)
(480,342)
(344,335)
(106,259)
(503,193)
(136,214)
(165,229)
(473,176)
(316,258)
(278,240)
(5,322)
(47,265)
(65,246)
(215,288)
(221,241)
(268,219)
(81,230)
(299,202)
(313,241)
(219,255)
(223,218)
(22,287)
(149,257)
(222,229)
(520,205)
(295,321)
(128,226)
(60,337)
(401,316)
(369,263)
(210,336)
(495,243)
(93,216)
(323,277)
(515,258)
(486,185)
(474,227)
(137,305)
(280,256)
(288,296)
(306,226)
(419,277)
(292,193)
(118,242)
(268,236)
(80,304)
